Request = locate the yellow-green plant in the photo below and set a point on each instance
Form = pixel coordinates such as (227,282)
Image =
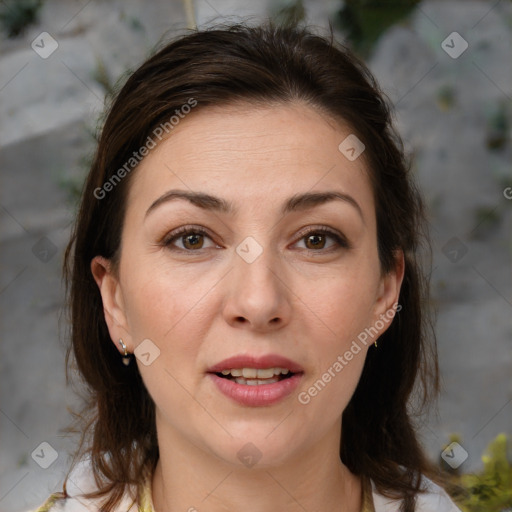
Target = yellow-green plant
(491,489)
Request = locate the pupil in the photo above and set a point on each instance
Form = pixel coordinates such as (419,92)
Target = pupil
(192,240)
(316,238)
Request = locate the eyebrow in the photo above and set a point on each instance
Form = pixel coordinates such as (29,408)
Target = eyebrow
(297,202)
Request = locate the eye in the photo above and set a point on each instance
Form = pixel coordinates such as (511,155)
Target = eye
(191,239)
(316,238)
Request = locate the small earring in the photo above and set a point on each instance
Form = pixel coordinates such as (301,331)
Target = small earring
(126,357)
(375,343)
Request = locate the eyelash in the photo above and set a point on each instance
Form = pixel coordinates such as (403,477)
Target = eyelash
(341,241)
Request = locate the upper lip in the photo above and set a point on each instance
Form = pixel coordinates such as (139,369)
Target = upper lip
(258,362)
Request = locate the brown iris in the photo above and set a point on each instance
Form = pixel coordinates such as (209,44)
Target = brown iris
(193,241)
(317,240)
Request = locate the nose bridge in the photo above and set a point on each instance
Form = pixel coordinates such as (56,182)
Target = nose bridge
(257,265)
(257,294)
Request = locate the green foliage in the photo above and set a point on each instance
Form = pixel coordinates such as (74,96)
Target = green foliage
(498,126)
(366,20)
(446,97)
(486,218)
(288,12)
(491,489)
(132,21)
(72,180)
(17,15)
(102,77)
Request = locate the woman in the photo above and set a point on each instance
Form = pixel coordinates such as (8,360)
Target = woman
(247,308)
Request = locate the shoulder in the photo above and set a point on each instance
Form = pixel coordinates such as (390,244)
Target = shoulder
(81,481)
(434,499)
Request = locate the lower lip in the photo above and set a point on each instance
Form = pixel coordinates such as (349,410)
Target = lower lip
(260,395)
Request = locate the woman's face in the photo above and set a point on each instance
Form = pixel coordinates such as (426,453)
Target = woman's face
(266,272)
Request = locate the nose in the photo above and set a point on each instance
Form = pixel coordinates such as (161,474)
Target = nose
(258,297)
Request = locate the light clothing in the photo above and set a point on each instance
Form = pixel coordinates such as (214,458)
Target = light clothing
(435,500)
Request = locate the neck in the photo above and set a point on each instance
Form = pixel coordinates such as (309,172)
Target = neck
(190,479)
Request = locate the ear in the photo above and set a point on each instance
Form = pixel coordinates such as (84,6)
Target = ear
(389,292)
(113,305)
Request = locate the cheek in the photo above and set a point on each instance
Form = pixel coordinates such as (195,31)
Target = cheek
(160,302)
(174,311)
(171,311)
(339,309)
(343,301)
(339,350)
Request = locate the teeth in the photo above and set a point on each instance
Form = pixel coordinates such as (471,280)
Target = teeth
(268,381)
(267,373)
(256,373)
(255,382)
(250,373)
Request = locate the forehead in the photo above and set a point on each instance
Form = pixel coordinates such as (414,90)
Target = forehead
(246,152)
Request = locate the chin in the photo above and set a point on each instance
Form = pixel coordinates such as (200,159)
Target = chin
(256,450)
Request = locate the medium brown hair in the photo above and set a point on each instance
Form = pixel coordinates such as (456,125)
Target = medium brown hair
(255,65)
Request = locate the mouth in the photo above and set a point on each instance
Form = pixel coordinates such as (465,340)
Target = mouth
(256,376)
(256,381)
